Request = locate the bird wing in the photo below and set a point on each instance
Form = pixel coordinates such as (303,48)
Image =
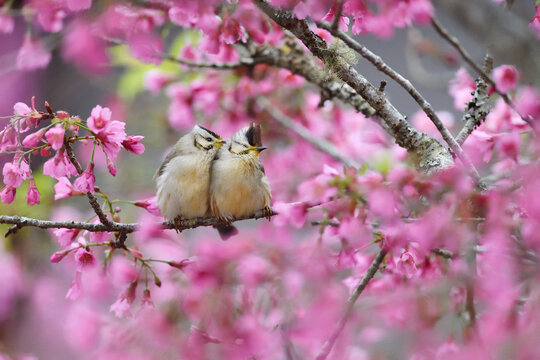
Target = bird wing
(171,155)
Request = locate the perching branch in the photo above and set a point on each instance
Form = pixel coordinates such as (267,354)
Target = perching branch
(329,344)
(468,59)
(126,228)
(429,155)
(378,62)
(305,134)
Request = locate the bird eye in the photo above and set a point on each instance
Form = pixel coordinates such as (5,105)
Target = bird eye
(208,139)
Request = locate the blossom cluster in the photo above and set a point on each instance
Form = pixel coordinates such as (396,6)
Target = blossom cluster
(34,133)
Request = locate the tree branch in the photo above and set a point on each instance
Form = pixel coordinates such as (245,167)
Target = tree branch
(329,344)
(21,221)
(428,154)
(468,59)
(207,65)
(299,63)
(478,108)
(91,198)
(378,62)
(305,134)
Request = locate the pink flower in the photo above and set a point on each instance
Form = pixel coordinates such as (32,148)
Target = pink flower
(9,139)
(85,259)
(85,48)
(406,264)
(7,195)
(58,256)
(32,55)
(528,102)
(122,306)
(505,76)
(32,197)
(77,5)
(133,144)
(65,236)
(99,119)
(112,138)
(421,11)
(147,299)
(85,182)
(64,189)
(6,22)
(156,79)
(180,265)
(13,175)
(59,166)
(509,144)
(147,47)
(110,166)
(149,205)
(75,291)
(32,140)
(55,137)
(294,214)
(461,87)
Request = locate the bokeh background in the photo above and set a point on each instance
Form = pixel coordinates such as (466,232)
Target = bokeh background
(35,317)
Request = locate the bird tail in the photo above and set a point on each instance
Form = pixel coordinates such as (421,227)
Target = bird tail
(226,231)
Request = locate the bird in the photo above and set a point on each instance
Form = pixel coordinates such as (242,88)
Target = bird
(238,185)
(183,178)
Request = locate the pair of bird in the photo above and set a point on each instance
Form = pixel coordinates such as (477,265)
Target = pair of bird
(203,175)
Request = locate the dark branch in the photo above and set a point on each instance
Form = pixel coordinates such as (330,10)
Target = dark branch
(126,228)
(91,198)
(329,344)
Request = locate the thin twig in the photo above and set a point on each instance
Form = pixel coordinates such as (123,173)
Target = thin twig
(337,14)
(91,198)
(468,59)
(305,134)
(208,65)
(327,347)
(126,228)
(378,62)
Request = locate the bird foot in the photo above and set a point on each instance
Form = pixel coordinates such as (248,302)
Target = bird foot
(178,224)
(267,212)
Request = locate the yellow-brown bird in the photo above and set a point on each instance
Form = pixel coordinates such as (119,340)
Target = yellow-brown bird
(238,185)
(183,179)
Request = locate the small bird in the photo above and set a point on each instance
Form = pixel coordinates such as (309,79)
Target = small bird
(238,185)
(183,179)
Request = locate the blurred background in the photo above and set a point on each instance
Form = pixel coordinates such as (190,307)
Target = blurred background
(35,317)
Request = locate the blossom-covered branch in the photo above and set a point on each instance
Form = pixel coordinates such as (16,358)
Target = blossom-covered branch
(406,84)
(432,156)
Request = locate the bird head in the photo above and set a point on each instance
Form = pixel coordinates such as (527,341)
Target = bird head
(247,141)
(204,139)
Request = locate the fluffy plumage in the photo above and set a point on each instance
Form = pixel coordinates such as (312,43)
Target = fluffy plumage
(239,186)
(183,179)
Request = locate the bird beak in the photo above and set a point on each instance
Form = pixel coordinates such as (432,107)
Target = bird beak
(219,143)
(258,149)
